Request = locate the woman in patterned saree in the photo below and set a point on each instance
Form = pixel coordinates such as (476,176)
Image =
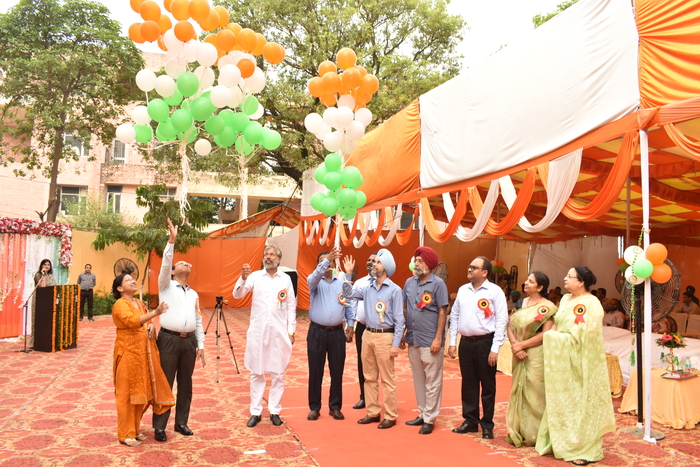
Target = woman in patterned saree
(525,331)
(578,410)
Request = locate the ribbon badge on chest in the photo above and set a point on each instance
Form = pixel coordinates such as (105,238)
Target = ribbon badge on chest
(281,297)
(483,304)
(342,299)
(425,300)
(541,312)
(380,308)
(579,311)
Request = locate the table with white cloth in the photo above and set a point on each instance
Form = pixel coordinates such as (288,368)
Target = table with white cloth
(674,402)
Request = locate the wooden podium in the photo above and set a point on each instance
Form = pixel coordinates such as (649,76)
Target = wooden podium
(56,318)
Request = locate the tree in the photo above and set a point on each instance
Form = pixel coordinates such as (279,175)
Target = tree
(408,44)
(539,20)
(65,71)
(90,214)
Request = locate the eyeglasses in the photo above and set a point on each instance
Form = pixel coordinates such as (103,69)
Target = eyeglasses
(474,268)
(182,263)
(571,277)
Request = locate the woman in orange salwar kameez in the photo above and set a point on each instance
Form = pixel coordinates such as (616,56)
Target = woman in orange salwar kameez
(139,380)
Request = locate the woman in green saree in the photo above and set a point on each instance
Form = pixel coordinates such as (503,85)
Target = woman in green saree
(525,331)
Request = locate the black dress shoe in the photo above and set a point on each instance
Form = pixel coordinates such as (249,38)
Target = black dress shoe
(465,428)
(160,435)
(183,430)
(313,415)
(487,434)
(426,429)
(276,420)
(367,420)
(386,424)
(359,405)
(337,415)
(415,422)
(254,420)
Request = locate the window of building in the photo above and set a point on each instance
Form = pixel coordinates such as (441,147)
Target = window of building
(114,198)
(169,194)
(75,143)
(71,195)
(118,152)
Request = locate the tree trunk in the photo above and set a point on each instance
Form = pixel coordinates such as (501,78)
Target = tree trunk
(52,209)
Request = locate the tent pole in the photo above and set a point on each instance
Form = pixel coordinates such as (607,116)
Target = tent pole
(421,230)
(627,213)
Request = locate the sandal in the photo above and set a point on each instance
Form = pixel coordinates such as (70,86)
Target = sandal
(131,442)
(141,437)
(580,462)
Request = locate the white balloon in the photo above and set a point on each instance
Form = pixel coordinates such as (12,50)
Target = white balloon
(258,113)
(165,85)
(173,68)
(346,100)
(633,252)
(220,96)
(333,141)
(364,116)
(236,55)
(256,82)
(190,50)
(355,131)
(329,116)
(343,118)
(146,80)
(325,129)
(126,133)
(207,54)
(172,43)
(140,115)
(202,147)
(229,75)
(633,278)
(313,122)
(348,146)
(205,75)
(225,60)
(236,97)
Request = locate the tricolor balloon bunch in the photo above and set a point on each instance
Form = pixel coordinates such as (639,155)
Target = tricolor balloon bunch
(342,197)
(188,101)
(637,264)
(498,266)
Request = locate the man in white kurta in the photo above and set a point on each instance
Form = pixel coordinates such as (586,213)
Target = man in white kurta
(271,332)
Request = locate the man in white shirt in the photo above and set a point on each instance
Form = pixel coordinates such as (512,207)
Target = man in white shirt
(688,305)
(273,321)
(181,337)
(613,316)
(480,315)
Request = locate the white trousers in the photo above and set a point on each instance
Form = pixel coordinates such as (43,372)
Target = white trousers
(426,369)
(257,390)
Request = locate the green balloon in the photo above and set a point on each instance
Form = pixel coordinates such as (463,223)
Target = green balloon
(623,267)
(250,105)
(226,138)
(228,116)
(158,110)
(346,197)
(181,120)
(144,133)
(320,174)
(187,84)
(240,121)
(333,162)
(317,200)
(201,109)
(348,213)
(329,207)
(207,94)
(332,194)
(642,268)
(165,131)
(243,146)
(215,125)
(271,140)
(187,105)
(332,181)
(360,199)
(351,177)
(253,133)
(190,135)
(174,100)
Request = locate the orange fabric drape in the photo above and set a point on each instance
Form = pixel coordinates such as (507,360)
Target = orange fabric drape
(692,148)
(613,184)
(12,269)
(668,50)
(403,237)
(374,238)
(429,219)
(518,209)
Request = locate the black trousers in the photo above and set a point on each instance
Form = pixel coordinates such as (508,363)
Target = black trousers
(319,344)
(86,296)
(476,372)
(359,331)
(177,357)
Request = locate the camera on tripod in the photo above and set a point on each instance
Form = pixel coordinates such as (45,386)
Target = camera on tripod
(220,300)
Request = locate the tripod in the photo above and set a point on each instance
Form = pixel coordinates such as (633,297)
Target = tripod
(220,317)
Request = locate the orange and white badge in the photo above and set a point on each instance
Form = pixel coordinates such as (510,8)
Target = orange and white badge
(542,312)
(483,304)
(342,299)
(579,311)
(380,307)
(425,300)
(281,297)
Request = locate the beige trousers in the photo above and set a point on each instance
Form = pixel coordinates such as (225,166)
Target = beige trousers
(377,361)
(426,369)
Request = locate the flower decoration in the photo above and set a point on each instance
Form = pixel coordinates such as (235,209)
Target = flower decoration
(671,340)
(49,229)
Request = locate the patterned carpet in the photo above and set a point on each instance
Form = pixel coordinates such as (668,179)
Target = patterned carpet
(58,410)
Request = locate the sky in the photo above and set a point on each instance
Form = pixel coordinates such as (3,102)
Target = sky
(491,23)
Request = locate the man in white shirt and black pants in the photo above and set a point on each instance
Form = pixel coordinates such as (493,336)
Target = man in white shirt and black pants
(480,315)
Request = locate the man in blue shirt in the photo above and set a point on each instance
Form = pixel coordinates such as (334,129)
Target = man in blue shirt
(327,312)
(383,302)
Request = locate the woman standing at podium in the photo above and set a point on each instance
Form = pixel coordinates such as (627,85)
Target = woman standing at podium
(43,278)
(139,380)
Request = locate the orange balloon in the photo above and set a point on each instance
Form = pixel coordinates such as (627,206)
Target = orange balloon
(164,23)
(328,100)
(346,58)
(212,21)
(183,30)
(161,44)
(135,33)
(369,84)
(246,39)
(247,67)
(150,31)
(223,16)
(234,27)
(211,39)
(351,78)
(273,53)
(135,5)
(331,82)
(316,86)
(662,273)
(656,253)
(225,40)
(150,10)
(180,10)
(361,69)
(166,4)
(361,99)
(199,10)
(325,67)
(260,42)
(620,261)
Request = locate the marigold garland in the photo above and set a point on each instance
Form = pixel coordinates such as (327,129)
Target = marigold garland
(49,229)
(53,319)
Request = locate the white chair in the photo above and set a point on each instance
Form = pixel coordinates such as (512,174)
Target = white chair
(692,329)
(681,320)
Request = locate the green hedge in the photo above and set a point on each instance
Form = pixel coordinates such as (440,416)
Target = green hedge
(103,303)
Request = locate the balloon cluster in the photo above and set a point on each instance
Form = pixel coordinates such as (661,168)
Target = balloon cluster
(637,264)
(188,101)
(342,197)
(498,267)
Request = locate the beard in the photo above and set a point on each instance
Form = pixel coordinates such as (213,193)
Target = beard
(271,264)
(418,271)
